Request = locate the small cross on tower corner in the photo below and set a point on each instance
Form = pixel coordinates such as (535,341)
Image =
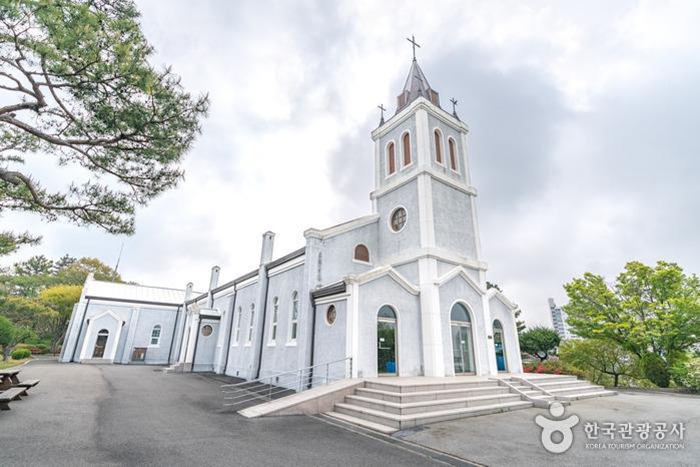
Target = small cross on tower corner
(382,110)
(454,107)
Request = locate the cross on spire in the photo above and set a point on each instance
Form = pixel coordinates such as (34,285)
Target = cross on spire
(381,109)
(412,40)
(454,106)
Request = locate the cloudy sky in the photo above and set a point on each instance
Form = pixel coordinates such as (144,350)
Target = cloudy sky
(583,145)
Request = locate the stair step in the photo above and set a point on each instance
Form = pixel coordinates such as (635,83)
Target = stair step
(429,406)
(412,420)
(563,392)
(429,395)
(362,422)
(562,384)
(428,387)
(590,395)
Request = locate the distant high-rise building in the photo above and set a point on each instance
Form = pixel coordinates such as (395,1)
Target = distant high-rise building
(559,321)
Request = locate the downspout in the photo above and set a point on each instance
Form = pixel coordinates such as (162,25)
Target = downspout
(80,330)
(172,339)
(196,340)
(230,328)
(262,334)
(313,339)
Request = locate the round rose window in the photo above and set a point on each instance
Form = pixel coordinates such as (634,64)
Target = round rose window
(207,330)
(398,219)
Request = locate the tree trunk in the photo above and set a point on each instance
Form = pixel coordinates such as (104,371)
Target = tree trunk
(617,377)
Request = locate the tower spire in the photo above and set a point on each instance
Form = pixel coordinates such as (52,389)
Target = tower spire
(416,84)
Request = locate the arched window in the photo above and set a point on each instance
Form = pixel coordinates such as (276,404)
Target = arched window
(386,312)
(275,315)
(453,154)
(460,313)
(406,141)
(251,324)
(294,322)
(155,335)
(438,146)
(391,158)
(237,337)
(361,253)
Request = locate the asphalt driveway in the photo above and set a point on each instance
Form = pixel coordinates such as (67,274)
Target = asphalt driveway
(136,415)
(514,439)
(133,415)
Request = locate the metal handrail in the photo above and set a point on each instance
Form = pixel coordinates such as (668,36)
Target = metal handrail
(302,379)
(287,372)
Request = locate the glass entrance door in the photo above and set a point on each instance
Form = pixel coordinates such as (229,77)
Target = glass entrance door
(462,349)
(100,344)
(499,344)
(386,342)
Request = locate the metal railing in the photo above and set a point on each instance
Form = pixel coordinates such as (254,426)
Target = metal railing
(287,383)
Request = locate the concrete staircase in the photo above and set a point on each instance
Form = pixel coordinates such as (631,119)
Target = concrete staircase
(395,405)
(389,407)
(563,388)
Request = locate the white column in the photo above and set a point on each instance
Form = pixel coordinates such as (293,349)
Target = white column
(433,348)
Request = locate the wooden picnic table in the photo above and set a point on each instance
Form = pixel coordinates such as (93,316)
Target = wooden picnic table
(8,378)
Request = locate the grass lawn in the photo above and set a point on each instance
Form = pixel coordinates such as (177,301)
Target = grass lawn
(9,363)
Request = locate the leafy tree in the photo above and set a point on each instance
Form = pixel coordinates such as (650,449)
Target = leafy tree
(35,265)
(539,341)
(602,356)
(520,325)
(7,334)
(60,300)
(22,283)
(76,84)
(24,312)
(655,369)
(648,309)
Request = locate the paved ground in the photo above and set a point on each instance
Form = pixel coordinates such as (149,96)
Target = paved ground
(133,415)
(514,438)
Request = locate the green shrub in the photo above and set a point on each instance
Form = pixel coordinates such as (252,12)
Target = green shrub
(687,374)
(655,370)
(19,354)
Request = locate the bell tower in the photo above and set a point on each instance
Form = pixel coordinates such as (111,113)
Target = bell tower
(425,200)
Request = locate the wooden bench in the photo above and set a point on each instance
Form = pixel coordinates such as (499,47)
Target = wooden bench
(30,383)
(12,394)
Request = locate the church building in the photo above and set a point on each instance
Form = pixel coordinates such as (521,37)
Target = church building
(398,292)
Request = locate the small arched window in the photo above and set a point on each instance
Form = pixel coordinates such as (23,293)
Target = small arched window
(391,158)
(438,146)
(155,335)
(453,154)
(251,324)
(237,337)
(275,315)
(361,253)
(386,312)
(294,322)
(406,149)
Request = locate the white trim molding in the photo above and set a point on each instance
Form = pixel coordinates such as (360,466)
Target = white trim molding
(378,273)
(323,234)
(494,293)
(459,271)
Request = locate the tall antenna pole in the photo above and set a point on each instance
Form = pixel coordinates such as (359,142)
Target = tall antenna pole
(119,258)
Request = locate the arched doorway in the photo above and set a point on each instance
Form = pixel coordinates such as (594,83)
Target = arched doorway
(100,344)
(387,361)
(499,343)
(462,340)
